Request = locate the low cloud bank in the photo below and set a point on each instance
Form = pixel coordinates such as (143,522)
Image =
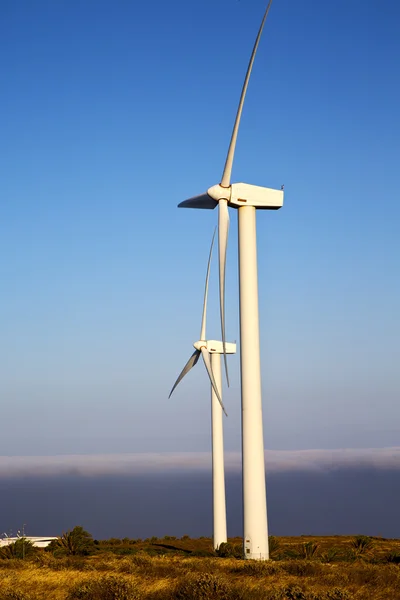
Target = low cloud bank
(142,464)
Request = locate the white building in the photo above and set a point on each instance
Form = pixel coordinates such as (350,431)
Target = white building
(39,542)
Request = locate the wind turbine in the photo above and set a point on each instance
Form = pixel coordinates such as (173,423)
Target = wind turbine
(211,351)
(246,198)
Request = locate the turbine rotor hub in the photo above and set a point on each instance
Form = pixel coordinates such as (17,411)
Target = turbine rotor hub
(200,344)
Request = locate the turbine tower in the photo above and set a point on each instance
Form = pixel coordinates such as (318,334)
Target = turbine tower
(246,198)
(211,351)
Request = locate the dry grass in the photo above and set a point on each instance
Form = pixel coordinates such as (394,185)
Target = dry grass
(334,571)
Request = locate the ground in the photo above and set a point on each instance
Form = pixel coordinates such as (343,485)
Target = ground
(305,568)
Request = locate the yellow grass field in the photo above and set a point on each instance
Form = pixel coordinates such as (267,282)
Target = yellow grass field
(167,569)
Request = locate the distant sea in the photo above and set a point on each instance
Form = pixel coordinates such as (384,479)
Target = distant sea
(348,500)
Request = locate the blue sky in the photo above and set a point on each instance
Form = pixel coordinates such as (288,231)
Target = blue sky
(114,112)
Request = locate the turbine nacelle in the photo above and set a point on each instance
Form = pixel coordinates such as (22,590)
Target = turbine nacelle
(245,194)
(237,194)
(215,347)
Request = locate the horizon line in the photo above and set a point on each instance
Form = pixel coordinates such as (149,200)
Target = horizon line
(142,463)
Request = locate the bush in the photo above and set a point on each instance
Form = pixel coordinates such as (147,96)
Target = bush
(294,592)
(76,542)
(203,587)
(393,557)
(13,595)
(330,555)
(338,594)
(302,568)
(274,546)
(308,550)
(108,587)
(22,548)
(113,542)
(228,550)
(362,544)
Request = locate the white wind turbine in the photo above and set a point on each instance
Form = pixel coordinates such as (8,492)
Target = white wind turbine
(246,198)
(211,351)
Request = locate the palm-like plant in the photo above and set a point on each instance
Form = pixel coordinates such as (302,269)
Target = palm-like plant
(274,546)
(308,550)
(18,549)
(76,542)
(362,544)
(330,555)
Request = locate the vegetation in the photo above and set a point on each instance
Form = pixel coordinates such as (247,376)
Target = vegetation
(107,587)
(78,568)
(362,544)
(22,548)
(228,550)
(76,542)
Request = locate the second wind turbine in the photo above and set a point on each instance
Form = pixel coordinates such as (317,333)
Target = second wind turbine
(246,198)
(211,351)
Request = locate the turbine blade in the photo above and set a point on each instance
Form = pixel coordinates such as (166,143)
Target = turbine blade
(203,321)
(223,229)
(190,363)
(207,363)
(226,176)
(202,201)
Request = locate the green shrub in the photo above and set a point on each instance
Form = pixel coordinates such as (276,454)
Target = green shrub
(21,548)
(76,542)
(228,550)
(330,555)
(274,546)
(308,550)
(349,555)
(362,544)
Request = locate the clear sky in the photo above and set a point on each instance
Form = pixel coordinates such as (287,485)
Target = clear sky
(114,112)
